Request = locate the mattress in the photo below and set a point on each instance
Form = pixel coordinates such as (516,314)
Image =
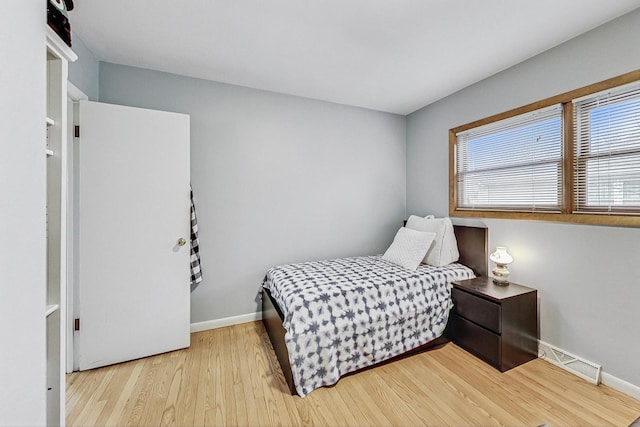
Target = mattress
(345,314)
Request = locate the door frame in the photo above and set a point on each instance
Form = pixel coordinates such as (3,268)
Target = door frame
(74,96)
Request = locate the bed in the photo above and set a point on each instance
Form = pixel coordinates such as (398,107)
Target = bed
(329,338)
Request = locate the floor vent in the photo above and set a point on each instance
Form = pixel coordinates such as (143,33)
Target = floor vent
(576,365)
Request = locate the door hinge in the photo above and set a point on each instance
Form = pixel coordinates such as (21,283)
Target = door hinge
(76,324)
(76,131)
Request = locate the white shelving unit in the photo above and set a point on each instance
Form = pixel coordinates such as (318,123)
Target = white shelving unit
(58,57)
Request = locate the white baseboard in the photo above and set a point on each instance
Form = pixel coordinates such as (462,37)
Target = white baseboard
(608,380)
(621,385)
(227,321)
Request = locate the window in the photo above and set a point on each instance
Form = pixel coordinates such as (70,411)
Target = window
(574,157)
(607,151)
(512,164)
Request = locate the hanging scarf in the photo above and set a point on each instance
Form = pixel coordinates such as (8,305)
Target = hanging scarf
(196,271)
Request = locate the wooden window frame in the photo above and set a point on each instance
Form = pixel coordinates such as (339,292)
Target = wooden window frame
(568,197)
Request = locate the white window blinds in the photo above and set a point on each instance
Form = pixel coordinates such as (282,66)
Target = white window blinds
(607,151)
(513,164)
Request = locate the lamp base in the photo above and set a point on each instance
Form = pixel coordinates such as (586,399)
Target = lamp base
(500,282)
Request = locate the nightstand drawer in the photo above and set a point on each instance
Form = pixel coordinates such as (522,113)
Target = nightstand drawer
(477,340)
(476,309)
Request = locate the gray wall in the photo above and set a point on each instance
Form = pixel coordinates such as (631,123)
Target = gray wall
(84,72)
(586,275)
(22,212)
(276,178)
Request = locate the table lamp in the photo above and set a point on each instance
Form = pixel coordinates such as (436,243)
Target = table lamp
(502,258)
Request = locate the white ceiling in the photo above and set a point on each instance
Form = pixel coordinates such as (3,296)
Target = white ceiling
(389,55)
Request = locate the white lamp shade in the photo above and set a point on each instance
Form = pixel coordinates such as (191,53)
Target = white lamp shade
(501,256)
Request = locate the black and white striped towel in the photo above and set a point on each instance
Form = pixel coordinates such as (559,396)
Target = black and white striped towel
(196,271)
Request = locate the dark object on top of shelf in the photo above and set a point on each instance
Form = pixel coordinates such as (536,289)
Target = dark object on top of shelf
(58,19)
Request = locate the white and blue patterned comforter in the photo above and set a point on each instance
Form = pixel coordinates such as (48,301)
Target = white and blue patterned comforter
(345,314)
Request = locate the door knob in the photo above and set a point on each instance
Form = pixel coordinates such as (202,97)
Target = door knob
(182,241)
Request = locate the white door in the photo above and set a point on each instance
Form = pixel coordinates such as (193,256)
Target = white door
(133,208)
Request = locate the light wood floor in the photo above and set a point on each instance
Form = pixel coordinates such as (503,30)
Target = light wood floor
(230,376)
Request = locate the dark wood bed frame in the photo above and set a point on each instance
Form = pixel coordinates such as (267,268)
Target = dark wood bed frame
(472,245)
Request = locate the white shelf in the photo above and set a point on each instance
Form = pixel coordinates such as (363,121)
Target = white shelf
(55,43)
(57,57)
(51,309)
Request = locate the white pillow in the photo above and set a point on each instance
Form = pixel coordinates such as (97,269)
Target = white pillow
(409,248)
(444,250)
(418,218)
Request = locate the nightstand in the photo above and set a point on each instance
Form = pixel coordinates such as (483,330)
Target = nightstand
(498,324)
